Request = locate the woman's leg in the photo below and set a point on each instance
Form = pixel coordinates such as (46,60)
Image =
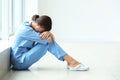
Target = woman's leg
(59,53)
(70,61)
(32,56)
(40,49)
(56,50)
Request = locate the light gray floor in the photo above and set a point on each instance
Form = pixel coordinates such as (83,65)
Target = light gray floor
(102,58)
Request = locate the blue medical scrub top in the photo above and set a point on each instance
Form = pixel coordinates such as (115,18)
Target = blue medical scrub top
(25,38)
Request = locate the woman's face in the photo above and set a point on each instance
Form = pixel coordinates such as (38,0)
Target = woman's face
(37,27)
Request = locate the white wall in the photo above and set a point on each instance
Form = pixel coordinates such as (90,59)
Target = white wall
(83,20)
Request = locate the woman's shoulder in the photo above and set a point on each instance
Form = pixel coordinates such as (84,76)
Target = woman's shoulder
(25,26)
(26,23)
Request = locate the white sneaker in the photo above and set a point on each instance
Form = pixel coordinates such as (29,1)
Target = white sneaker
(79,67)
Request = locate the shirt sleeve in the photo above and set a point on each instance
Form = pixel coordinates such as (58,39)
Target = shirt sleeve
(28,33)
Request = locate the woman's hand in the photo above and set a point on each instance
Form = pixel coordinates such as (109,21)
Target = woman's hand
(48,35)
(45,34)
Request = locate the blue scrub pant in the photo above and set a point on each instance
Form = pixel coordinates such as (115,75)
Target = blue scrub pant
(39,50)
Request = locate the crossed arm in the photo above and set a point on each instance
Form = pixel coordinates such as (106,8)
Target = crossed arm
(47,34)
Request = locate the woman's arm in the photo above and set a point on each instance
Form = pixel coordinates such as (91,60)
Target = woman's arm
(48,35)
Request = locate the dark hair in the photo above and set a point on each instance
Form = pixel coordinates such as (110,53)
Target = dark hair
(44,21)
